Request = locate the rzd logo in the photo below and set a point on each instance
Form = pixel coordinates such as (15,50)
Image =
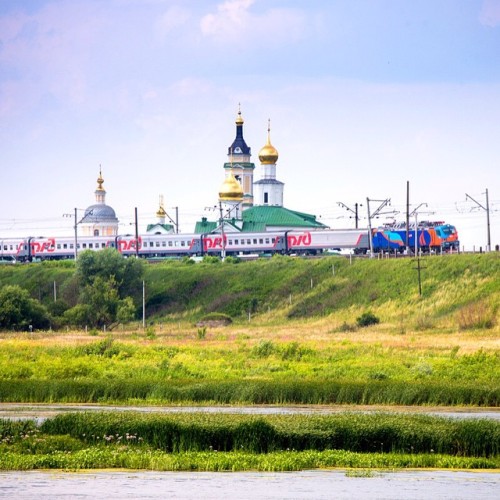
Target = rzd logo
(211,243)
(300,240)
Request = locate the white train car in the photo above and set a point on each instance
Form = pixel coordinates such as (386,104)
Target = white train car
(178,245)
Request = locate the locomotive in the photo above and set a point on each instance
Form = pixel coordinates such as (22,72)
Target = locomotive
(430,236)
(391,238)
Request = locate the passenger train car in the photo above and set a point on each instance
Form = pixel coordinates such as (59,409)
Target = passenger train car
(152,246)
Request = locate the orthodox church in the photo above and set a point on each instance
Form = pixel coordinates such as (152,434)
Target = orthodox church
(245,205)
(99,219)
(243,211)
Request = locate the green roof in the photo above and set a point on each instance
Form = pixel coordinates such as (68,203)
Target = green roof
(264,216)
(260,218)
(167,227)
(205,226)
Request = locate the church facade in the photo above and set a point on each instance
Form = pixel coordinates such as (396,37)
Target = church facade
(253,206)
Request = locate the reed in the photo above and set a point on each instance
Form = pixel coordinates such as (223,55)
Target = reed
(107,458)
(351,431)
(342,391)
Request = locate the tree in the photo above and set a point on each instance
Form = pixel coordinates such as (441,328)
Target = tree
(18,310)
(126,310)
(107,284)
(107,263)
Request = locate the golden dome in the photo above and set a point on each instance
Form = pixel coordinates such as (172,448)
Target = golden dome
(239,118)
(231,189)
(161,211)
(100,180)
(268,155)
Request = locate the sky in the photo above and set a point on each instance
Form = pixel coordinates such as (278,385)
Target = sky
(363,97)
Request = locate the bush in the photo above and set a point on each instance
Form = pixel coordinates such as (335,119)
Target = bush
(367,319)
(19,311)
(477,315)
(215,316)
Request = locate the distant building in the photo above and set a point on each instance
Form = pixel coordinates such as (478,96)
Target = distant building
(99,219)
(160,226)
(240,210)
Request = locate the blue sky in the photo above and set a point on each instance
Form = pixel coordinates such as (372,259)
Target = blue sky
(363,96)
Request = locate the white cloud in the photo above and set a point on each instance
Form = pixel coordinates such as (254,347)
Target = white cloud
(235,23)
(231,15)
(191,86)
(173,18)
(490,13)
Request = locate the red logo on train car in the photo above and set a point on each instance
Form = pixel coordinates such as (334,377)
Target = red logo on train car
(303,239)
(129,245)
(43,246)
(215,242)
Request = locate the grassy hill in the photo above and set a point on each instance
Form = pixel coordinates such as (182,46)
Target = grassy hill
(296,335)
(458,291)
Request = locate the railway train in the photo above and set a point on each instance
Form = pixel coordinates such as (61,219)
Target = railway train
(431,237)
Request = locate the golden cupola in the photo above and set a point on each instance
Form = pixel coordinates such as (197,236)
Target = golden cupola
(100,180)
(268,155)
(161,210)
(231,189)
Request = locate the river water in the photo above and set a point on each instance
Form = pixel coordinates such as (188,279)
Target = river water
(321,484)
(317,484)
(42,411)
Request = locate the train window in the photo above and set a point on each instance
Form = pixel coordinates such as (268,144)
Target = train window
(157,243)
(151,244)
(84,245)
(267,241)
(235,242)
(229,242)
(59,246)
(182,243)
(65,246)
(71,246)
(249,242)
(261,241)
(163,243)
(169,243)
(90,245)
(273,240)
(103,245)
(255,241)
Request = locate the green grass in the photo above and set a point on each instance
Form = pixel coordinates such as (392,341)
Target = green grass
(246,371)
(219,442)
(386,287)
(351,431)
(107,458)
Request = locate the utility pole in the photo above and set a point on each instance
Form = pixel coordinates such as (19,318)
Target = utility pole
(143,304)
(407,214)
(89,213)
(415,213)
(223,252)
(487,210)
(377,212)
(176,220)
(136,235)
(419,268)
(76,233)
(355,211)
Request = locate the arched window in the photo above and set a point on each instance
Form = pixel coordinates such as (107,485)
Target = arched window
(96,232)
